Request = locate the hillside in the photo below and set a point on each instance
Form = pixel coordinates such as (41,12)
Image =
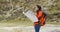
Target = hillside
(11,10)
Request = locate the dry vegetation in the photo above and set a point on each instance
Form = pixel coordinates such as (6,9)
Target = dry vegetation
(11,10)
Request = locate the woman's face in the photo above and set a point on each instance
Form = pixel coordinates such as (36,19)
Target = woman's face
(36,8)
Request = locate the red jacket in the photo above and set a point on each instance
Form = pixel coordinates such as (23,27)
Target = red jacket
(40,17)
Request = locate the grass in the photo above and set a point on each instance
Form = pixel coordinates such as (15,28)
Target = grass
(16,22)
(54,23)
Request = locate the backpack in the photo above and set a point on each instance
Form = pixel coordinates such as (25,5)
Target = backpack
(44,17)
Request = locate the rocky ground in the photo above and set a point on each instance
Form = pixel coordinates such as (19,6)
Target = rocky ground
(46,28)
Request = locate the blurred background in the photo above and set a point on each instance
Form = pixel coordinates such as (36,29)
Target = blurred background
(11,11)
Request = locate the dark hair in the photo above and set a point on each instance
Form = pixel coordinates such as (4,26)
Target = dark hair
(39,7)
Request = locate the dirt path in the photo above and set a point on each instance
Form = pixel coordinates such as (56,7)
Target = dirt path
(46,28)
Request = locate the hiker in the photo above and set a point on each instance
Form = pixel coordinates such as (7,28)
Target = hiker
(41,18)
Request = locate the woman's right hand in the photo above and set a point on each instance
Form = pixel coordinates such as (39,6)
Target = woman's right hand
(35,23)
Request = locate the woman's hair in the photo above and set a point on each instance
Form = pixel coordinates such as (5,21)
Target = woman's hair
(39,7)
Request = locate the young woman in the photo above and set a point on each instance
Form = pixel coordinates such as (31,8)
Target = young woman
(41,18)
